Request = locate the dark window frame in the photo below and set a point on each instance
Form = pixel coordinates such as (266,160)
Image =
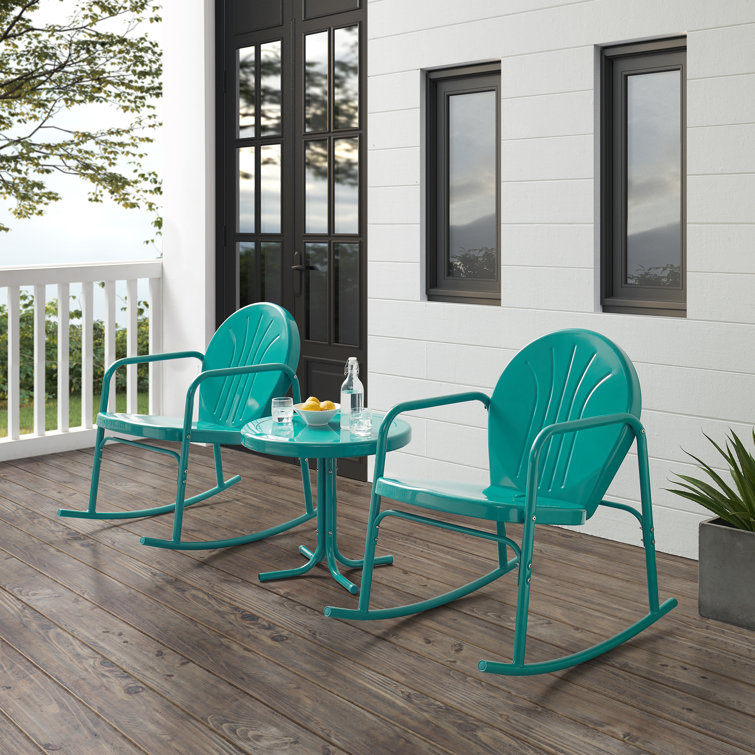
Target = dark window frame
(617,63)
(440,85)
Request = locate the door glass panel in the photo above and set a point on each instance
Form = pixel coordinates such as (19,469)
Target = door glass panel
(346,299)
(346,185)
(245,207)
(316,194)
(472,232)
(270,188)
(270,88)
(247,273)
(316,292)
(245,78)
(346,78)
(270,261)
(654,179)
(316,81)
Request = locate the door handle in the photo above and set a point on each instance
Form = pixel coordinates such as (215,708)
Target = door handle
(302,268)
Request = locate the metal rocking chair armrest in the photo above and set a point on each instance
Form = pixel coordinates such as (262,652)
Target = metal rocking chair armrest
(413,405)
(247,369)
(559,428)
(140,359)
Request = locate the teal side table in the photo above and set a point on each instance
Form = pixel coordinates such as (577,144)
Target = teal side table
(327,444)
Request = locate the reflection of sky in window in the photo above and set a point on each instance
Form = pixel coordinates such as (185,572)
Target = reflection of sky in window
(472,171)
(653,169)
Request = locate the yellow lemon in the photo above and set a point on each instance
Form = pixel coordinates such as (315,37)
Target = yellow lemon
(311,406)
(325,405)
(312,400)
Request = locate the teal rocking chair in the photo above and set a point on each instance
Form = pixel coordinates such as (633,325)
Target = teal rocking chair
(561,420)
(251,358)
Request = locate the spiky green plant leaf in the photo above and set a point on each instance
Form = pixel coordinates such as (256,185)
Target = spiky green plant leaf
(735,505)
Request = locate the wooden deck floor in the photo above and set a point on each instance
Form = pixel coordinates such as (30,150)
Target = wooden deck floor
(110,646)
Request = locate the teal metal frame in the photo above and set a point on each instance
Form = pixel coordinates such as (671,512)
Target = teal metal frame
(326,444)
(522,508)
(190,430)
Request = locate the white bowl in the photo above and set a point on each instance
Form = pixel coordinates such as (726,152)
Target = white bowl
(316,418)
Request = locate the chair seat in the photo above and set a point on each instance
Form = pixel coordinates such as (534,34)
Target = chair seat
(490,502)
(167,428)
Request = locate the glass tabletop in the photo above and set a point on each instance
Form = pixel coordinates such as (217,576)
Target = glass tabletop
(326,442)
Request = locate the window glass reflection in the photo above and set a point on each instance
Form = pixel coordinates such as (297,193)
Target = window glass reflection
(245,81)
(316,292)
(247,273)
(346,155)
(245,199)
(270,188)
(346,299)
(472,232)
(654,179)
(316,81)
(270,274)
(346,77)
(270,88)
(316,189)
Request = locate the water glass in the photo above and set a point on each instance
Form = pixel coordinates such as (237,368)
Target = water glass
(282,410)
(361,422)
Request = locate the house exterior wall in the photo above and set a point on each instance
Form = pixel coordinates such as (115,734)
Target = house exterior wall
(697,373)
(188,190)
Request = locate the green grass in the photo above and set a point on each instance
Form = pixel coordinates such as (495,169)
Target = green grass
(26,419)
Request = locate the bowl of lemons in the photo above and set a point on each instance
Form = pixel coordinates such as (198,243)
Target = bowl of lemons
(316,413)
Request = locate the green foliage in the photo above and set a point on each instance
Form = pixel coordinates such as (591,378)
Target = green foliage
(26,350)
(94,57)
(734,505)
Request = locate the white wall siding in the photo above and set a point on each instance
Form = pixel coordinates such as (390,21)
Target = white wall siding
(697,373)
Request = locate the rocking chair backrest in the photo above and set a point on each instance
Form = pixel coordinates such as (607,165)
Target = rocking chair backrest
(256,334)
(563,376)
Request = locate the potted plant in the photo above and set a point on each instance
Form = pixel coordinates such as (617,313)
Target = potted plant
(727,542)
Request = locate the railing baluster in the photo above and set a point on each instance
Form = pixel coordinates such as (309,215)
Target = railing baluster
(132,310)
(64,389)
(155,345)
(14,357)
(39,360)
(110,337)
(87,354)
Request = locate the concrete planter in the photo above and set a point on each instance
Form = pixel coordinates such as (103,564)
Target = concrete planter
(727,573)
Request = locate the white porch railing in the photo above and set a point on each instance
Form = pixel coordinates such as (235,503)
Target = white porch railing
(110,276)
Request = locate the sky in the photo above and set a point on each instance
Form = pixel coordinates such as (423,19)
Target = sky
(74,229)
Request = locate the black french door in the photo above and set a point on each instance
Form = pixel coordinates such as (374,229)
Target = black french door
(291,183)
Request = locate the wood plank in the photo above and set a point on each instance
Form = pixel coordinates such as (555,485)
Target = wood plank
(475,659)
(333,717)
(687,691)
(52,717)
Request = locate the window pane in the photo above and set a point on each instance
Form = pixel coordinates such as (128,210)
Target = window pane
(346,77)
(346,185)
(270,88)
(245,207)
(270,259)
(316,81)
(270,188)
(316,197)
(654,179)
(472,232)
(245,73)
(346,300)
(247,273)
(316,292)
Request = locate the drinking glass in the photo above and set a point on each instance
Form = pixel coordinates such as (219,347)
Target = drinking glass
(361,422)
(282,410)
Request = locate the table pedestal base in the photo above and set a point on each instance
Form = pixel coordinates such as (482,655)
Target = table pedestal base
(326,547)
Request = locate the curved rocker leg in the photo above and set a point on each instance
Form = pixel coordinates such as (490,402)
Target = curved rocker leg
(177,544)
(544,667)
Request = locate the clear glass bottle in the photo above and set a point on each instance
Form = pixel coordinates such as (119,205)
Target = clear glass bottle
(352,392)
